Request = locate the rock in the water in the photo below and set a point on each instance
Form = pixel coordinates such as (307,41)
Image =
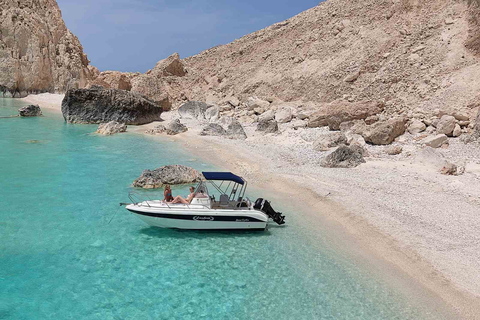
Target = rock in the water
(329,140)
(111,127)
(344,157)
(193,110)
(394,150)
(435,141)
(384,132)
(99,106)
(284,115)
(333,114)
(213,129)
(172,128)
(416,126)
(446,125)
(171,174)
(30,111)
(235,130)
(268,126)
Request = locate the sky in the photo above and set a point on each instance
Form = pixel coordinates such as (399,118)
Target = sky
(133,35)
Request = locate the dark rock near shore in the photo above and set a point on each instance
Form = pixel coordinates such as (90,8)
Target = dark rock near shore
(104,105)
(344,157)
(213,129)
(171,174)
(235,130)
(30,111)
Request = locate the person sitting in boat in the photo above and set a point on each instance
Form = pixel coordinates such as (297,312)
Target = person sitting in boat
(180,199)
(168,194)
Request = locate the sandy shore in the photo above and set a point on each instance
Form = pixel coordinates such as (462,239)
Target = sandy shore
(403,217)
(400,210)
(50,101)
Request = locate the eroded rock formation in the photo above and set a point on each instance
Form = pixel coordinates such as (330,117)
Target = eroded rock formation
(37,51)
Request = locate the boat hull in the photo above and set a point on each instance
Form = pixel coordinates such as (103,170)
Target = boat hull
(179,217)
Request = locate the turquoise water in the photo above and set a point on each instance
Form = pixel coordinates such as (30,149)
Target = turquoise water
(68,252)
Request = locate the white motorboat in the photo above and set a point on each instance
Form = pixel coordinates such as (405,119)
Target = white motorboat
(205,212)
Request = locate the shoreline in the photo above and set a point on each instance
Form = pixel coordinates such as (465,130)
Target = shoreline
(324,198)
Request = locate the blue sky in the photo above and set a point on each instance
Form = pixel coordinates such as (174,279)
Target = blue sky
(132,35)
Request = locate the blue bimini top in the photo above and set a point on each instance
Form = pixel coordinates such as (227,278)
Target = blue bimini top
(224,176)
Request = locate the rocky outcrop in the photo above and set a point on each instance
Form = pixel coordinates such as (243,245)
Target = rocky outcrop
(344,157)
(172,128)
(114,80)
(30,111)
(37,51)
(193,110)
(171,174)
(326,141)
(384,132)
(171,66)
(99,106)
(333,114)
(111,127)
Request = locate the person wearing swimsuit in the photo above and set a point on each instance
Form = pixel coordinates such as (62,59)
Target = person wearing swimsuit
(168,194)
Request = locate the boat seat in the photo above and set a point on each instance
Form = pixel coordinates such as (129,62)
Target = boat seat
(224,201)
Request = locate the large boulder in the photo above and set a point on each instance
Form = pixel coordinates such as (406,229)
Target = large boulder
(384,132)
(193,110)
(344,157)
(268,126)
(333,114)
(30,111)
(213,129)
(416,126)
(171,174)
(235,130)
(110,128)
(446,125)
(329,140)
(98,105)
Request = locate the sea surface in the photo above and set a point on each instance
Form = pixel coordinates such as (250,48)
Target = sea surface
(69,251)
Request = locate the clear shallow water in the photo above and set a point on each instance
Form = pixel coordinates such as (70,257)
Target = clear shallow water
(61,257)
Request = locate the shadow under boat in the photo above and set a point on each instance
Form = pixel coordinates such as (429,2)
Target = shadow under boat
(185,233)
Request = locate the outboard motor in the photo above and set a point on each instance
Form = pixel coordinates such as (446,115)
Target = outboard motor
(265,207)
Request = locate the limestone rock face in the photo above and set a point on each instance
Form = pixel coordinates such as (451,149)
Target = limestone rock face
(114,80)
(30,111)
(171,174)
(37,51)
(111,127)
(99,105)
(333,114)
(384,132)
(344,157)
(171,66)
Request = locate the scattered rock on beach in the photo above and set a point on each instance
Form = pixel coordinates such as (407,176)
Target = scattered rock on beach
(416,126)
(268,126)
(30,111)
(193,110)
(172,128)
(111,127)
(333,114)
(435,141)
(384,132)
(446,125)
(394,150)
(452,169)
(329,140)
(235,130)
(213,129)
(344,157)
(171,174)
(284,115)
(255,102)
(97,105)
(212,114)
(267,116)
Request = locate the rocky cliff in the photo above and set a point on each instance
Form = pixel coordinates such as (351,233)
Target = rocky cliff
(37,52)
(414,56)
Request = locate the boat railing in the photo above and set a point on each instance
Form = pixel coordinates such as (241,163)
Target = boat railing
(136,198)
